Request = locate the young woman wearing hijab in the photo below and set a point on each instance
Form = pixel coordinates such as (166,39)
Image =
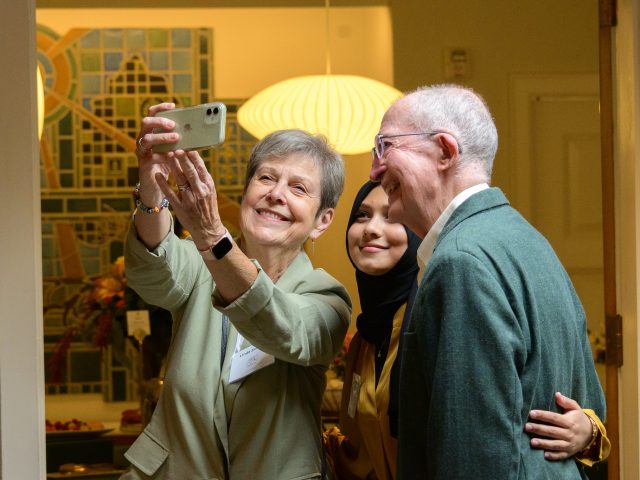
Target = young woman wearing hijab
(365,447)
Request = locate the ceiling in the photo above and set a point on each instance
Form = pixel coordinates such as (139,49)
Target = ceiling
(204,3)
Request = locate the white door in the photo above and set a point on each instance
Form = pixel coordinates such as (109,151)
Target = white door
(556,150)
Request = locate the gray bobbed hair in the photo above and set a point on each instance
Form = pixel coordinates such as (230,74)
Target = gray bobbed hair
(282,143)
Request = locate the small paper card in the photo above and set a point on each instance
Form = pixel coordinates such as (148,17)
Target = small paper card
(138,320)
(356,383)
(247,360)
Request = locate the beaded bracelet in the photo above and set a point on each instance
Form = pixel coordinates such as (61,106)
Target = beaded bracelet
(594,436)
(141,206)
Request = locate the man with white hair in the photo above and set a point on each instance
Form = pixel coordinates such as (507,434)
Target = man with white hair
(497,328)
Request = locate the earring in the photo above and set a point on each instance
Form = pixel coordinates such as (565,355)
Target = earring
(313,244)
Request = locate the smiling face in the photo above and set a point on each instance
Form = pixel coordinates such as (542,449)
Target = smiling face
(375,244)
(281,201)
(408,172)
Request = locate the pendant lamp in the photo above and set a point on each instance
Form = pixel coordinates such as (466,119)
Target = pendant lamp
(347,109)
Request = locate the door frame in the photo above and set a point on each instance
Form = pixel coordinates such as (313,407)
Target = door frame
(621,35)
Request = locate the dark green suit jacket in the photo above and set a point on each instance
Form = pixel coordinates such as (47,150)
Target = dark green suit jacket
(496,330)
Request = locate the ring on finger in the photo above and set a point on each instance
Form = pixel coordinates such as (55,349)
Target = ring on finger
(142,148)
(184,188)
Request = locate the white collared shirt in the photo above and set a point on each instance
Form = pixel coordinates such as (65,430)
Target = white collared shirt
(425,250)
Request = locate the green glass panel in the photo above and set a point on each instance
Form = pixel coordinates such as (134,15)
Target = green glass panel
(48,247)
(185,101)
(65,125)
(204,45)
(66,180)
(158,38)
(117,204)
(58,296)
(91,39)
(47,268)
(119,386)
(116,249)
(66,161)
(204,74)
(90,62)
(47,371)
(50,339)
(85,367)
(66,153)
(134,37)
(158,60)
(82,205)
(112,60)
(90,84)
(181,60)
(51,206)
(89,250)
(182,83)
(181,38)
(125,107)
(112,38)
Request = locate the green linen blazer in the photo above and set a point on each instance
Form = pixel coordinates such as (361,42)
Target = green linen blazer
(496,330)
(266,426)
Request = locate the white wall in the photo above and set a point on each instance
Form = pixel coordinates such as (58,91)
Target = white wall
(256,47)
(22,449)
(502,38)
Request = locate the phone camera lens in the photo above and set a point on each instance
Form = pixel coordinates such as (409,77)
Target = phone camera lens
(216,110)
(208,111)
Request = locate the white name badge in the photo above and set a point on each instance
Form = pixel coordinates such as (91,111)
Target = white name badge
(248,360)
(356,383)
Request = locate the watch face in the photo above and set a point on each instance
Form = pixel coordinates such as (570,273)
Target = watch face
(221,248)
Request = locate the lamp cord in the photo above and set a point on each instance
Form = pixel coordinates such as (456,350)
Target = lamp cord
(328,45)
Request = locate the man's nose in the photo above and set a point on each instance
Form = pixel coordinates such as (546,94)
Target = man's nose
(378,167)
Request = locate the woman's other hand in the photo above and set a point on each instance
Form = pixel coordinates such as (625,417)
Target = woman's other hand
(560,435)
(195,203)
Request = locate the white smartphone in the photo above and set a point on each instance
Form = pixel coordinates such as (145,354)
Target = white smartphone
(200,126)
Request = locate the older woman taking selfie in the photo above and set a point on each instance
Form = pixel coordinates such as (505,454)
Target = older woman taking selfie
(255,325)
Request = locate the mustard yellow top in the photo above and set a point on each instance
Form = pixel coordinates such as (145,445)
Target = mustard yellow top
(601,447)
(363,446)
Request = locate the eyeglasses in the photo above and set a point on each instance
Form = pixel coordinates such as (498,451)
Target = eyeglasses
(379,144)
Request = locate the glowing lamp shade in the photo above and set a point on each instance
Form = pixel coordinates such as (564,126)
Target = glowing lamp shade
(40,103)
(347,109)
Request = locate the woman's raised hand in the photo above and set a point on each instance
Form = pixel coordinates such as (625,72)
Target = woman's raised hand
(154,222)
(150,163)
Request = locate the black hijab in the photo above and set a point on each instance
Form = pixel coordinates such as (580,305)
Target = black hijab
(380,298)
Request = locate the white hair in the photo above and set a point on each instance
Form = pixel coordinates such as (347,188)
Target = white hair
(464,114)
